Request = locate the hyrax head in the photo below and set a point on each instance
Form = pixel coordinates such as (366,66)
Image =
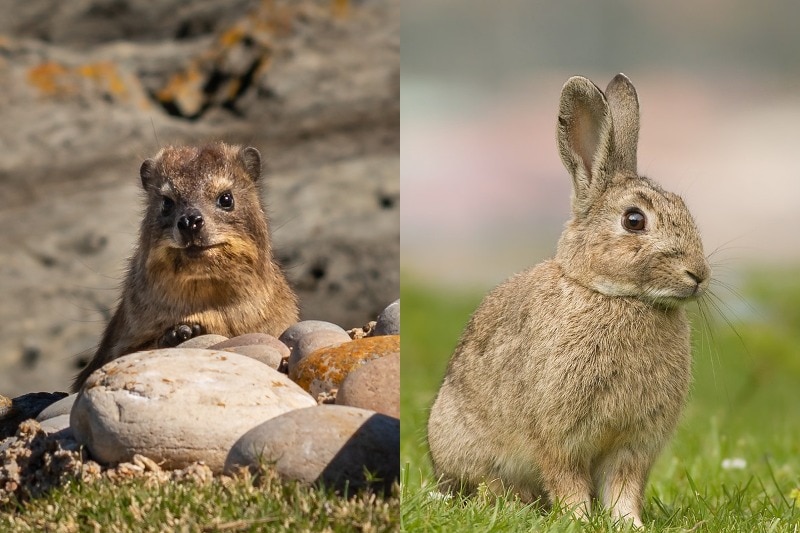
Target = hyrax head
(204,211)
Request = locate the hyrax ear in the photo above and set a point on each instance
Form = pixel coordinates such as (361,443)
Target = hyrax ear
(624,106)
(147,171)
(252,162)
(584,139)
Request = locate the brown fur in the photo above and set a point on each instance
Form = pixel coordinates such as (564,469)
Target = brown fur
(229,286)
(571,376)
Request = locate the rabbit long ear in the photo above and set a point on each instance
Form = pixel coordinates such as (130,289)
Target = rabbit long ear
(624,105)
(584,139)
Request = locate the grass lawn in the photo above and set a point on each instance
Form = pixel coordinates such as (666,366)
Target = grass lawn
(734,464)
(260,503)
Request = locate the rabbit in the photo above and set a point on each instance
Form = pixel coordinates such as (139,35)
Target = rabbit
(570,377)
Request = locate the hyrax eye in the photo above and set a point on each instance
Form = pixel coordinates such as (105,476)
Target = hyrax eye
(634,220)
(167,205)
(225,201)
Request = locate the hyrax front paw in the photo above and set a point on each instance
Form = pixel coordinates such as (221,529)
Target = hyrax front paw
(180,333)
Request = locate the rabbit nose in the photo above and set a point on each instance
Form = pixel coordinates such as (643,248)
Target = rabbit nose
(699,276)
(697,279)
(190,224)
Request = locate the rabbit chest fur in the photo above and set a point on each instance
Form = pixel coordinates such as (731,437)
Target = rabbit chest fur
(571,376)
(541,372)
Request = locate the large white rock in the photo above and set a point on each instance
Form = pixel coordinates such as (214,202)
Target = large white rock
(177,406)
(332,445)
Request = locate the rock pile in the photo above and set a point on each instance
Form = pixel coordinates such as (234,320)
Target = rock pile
(226,404)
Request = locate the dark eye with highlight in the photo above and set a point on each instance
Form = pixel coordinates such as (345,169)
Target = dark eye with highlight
(225,201)
(167,205)
(634,220)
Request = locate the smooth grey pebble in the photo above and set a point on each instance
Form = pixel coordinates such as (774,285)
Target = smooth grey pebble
(59,408)
(331,445)
(260,352)
(388,322)
(313,341)
(203,341)
(56,424)
(294,333)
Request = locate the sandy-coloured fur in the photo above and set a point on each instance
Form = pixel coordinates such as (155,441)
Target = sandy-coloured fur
(571,376)
(223,278)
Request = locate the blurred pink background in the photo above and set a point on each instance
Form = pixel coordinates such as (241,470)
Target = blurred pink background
(484,193)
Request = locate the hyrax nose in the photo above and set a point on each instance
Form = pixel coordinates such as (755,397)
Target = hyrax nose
(190,224)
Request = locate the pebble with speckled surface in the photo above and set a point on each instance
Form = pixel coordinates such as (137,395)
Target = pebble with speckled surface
(331,445)
(177,406)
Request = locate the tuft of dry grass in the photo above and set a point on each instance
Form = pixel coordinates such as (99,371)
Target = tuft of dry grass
(245,502)
(47,483)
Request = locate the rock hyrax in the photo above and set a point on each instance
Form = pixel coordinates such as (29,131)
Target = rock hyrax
(204,260)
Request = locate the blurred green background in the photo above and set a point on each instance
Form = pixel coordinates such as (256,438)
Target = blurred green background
(485,195)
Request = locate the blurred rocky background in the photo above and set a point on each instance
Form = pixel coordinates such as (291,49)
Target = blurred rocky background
(90,88)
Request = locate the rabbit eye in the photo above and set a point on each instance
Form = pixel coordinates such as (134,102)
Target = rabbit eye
(634,220)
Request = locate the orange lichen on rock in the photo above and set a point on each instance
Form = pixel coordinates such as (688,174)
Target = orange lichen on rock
(59,81)
(340,8)
(231,36)
(238,57)
(51,78)
(326,368)
(105,76)
(185,90)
